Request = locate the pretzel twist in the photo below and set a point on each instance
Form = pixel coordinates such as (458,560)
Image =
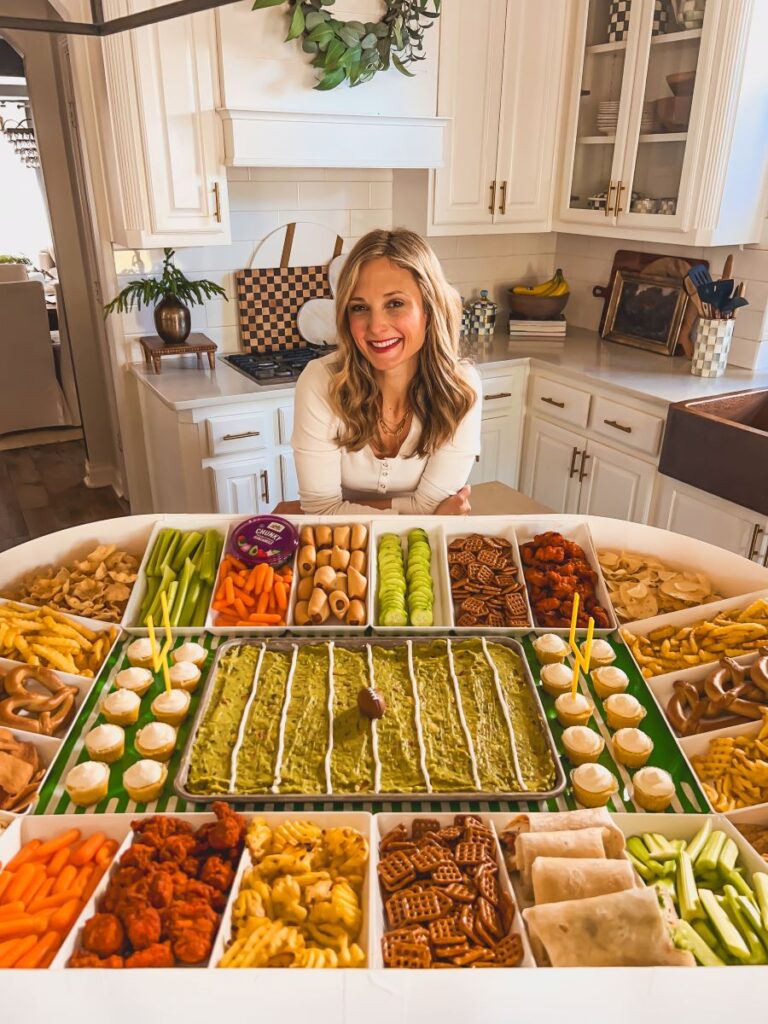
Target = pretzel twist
(43,714)
(727,687)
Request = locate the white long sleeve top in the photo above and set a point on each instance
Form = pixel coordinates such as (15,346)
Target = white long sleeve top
(333,480)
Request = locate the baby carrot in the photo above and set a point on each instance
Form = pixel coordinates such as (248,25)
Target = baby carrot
(11,952)
(91,884)
(58,860)
(84,876)
(229,590)
(280,595)
(42,893)
(106,852)
(261,604)
(54,845)
(65,880)
(53,902)
(11,910)
(88,850)
(6,877)
(24,924)
(65,916)
(35,884)
(264,620)
(36,956)
(25,853)
(21,880)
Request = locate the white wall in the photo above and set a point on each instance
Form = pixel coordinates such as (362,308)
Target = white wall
(24,227)
(349,202)
(586,261)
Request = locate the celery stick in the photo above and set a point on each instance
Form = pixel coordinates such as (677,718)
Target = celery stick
(755,921)
(760,882)
(722,924)
(686,938)
(659,848)
(689,902)
(186,549)
(728,856)
(757,954)
(638,849)
(201,608)
(170,595)
(149,569)
(170,552)
(190,602)
(667,885)
(707,860)
(679,844)
(155,609)
(703,929)
(696,845)
(187,573)
(645,873)
(210,556)
(153,585)
(735,879)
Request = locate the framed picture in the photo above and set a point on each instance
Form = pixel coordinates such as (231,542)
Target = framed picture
(645,312)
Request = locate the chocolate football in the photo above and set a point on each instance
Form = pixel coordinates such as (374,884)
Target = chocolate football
(371,703)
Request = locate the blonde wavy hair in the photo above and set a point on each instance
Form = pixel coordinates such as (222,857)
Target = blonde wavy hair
(438,395)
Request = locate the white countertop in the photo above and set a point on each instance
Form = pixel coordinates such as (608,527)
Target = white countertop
(582,355)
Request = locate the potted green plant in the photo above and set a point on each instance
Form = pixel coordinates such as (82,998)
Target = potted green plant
(172,293)
(16,259)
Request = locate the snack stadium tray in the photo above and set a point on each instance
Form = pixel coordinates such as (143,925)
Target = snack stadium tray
(285,644)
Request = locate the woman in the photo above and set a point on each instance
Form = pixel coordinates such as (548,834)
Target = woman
(393,418)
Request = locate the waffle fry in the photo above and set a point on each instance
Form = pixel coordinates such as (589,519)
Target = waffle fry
(729,634)
(299,904)
(734,771)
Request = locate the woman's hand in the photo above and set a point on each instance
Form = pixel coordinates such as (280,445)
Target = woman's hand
(457,504)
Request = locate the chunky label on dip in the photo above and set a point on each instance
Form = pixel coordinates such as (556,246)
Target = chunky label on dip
(267,539)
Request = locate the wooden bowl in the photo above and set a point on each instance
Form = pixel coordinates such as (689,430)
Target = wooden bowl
(674,112)
(682,83)
(536,307)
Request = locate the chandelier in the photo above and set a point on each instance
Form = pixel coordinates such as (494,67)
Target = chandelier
(21,136)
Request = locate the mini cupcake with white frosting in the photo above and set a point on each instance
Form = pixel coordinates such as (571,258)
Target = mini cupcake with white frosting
(87,783)
(105,743)
(139,653)
(171,706)
(601,654)
(623,711)
(556,678)
(653,789)
(190,651)
(573,709)
(144,780)
(137,680)
(582,744)
(631,747)
(156,741)
(184,675)
(608,680)
(593,785)
(550,648)
(121,706)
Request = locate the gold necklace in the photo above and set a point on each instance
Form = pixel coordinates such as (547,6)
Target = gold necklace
(393,431)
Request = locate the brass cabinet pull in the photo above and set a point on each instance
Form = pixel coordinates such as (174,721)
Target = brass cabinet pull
(582,468)
(756,531)
(217,202)
(574,456)
(237,437)
(501,394)
(492,204)
(619,189)
(552,401)
(617,426)
(611,187)
(503,204)
(477,458)
(265,485)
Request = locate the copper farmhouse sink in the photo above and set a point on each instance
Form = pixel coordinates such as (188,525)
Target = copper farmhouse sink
(721,446)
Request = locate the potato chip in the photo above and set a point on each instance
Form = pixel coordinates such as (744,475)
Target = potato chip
(641,586)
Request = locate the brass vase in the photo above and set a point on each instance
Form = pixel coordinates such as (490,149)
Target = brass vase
(172,320)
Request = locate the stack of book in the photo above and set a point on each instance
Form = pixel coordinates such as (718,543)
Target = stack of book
(537,329)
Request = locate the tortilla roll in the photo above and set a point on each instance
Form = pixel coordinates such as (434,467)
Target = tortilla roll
(585,842)
(621,929)
(564,878)
(558,821)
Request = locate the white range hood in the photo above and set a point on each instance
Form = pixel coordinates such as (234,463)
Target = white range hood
(262,138)
(274,117)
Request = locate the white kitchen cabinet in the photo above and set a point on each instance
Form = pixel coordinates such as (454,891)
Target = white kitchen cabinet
(501,67)
(691,173)
(694,513)
(614,484)
(169,180)
(551,465)
(250,486)
(288,478)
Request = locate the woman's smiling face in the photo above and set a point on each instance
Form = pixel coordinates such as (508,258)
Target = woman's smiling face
(386,315)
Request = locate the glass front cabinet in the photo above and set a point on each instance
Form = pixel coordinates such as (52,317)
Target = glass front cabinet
(648,152)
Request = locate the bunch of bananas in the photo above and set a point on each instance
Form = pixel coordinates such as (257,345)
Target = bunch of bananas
(556,285)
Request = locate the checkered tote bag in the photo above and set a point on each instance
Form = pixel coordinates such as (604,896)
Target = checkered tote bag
(268,300)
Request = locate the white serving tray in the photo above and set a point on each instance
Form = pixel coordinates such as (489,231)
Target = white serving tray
(689,617)
(578,531)
(47,749)
(442,610)
(186,523)
(496,526)
(359,820)
(383,823)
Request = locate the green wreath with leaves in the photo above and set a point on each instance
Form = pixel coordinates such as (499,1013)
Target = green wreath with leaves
(353,50)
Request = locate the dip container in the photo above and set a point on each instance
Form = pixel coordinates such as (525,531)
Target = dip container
(269,539)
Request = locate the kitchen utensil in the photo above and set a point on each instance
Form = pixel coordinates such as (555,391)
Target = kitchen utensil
(716,293)
(700,275)
(728,266)
(731,305)
(693,293)
(682,83)
(316,321)
(674,112)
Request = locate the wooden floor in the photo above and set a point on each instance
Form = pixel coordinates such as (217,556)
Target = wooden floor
(42,490)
